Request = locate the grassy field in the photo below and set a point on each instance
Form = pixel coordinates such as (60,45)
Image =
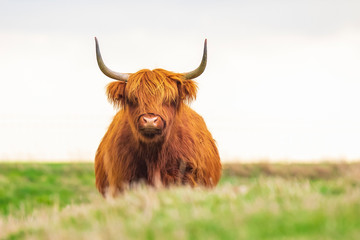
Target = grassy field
(252,201)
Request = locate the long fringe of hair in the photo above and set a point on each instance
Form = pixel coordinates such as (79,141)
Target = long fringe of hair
(146,85)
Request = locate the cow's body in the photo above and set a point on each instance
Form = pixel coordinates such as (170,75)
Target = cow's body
(155,137)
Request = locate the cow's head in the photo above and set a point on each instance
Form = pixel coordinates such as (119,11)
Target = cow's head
(151,98)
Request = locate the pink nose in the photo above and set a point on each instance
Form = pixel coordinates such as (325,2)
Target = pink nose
(150,121)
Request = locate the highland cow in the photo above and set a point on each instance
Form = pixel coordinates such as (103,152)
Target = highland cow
(155,137)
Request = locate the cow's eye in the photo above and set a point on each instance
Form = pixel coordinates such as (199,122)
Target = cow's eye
(171,103)
(131,102)
(174,103)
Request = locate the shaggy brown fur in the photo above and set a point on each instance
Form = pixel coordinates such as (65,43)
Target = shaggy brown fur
(185,153)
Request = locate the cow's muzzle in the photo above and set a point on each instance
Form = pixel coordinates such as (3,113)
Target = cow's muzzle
(150,125)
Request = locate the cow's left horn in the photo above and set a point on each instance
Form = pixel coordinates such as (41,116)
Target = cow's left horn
(197,72)
(111,74)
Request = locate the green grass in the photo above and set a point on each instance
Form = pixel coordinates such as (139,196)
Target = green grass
(25,187)
(256,201)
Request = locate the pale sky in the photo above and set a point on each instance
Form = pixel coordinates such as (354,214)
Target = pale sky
(282,81)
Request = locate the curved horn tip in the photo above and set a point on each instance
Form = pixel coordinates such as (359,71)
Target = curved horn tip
(201,68)
(96,43)
(205,46)
(108,72)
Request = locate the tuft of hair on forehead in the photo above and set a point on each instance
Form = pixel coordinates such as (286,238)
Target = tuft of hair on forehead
(161,85)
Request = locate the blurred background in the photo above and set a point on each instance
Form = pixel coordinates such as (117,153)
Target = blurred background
(282,81)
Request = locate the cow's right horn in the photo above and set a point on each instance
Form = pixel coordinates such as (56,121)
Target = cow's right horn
(111,74)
